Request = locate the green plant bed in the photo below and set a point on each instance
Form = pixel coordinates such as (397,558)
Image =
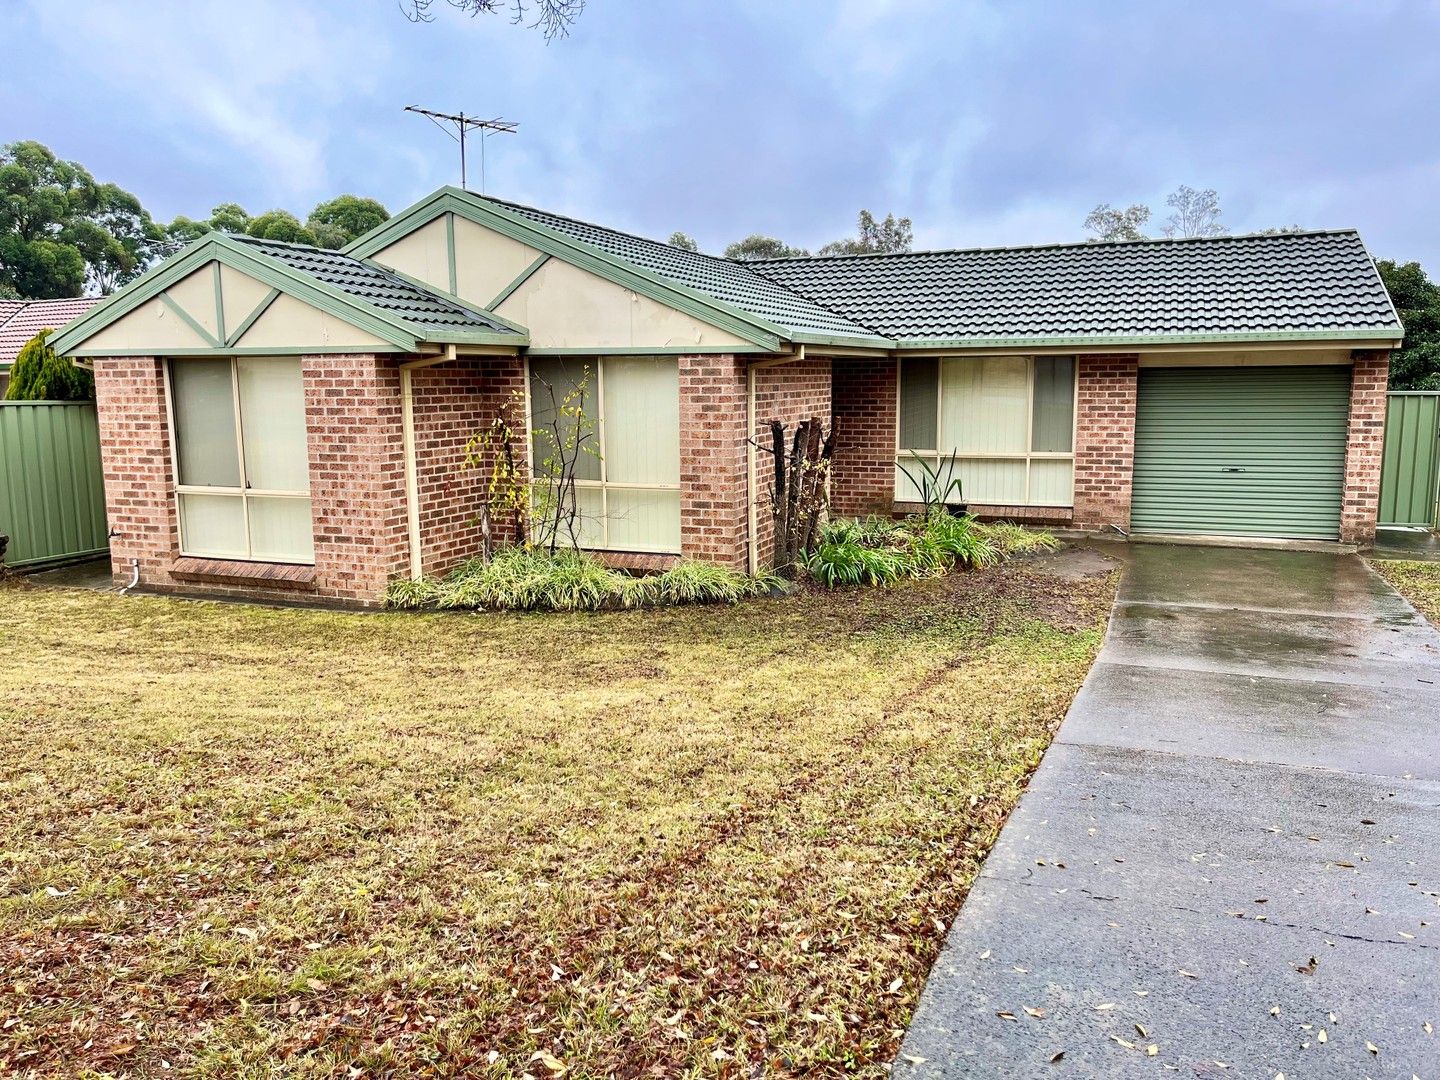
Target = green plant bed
(520,579)
(880,550)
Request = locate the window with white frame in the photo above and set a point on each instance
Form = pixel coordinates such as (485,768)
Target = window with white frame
(1009,421)
(242,474)
(627,474)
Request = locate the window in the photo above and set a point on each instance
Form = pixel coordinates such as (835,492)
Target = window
(1010,421)
(241,468)
(628,472)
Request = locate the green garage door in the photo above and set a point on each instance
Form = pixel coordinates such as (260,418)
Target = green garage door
(1240,451)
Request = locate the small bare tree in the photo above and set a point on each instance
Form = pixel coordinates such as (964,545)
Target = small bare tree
(563,440)
(800,491)
(552,17)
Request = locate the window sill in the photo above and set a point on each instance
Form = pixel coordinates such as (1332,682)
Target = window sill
(272,575)
(636,560)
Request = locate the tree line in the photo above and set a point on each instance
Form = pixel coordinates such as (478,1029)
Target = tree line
(64,233)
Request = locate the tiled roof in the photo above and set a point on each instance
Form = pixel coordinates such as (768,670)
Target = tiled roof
(1262,284)
(731,282)
(376,287)
(21,320)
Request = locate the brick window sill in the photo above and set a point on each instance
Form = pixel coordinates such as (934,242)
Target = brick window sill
(636,560)
(236,572)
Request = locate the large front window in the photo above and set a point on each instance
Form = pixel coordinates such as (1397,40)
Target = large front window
(1008,421)
(241,468)
(624,413)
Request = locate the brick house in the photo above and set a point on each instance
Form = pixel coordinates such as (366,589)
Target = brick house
(283,421)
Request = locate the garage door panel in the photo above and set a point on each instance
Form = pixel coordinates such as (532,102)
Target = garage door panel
(1240,451)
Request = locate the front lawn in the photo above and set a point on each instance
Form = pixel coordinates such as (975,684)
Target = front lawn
(246,842)
(1418,582)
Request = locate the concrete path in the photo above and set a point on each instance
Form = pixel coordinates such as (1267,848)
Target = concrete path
(1233,843)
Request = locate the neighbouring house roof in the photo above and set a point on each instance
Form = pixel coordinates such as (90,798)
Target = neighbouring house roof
(21,320)
(379,288)
(1306,284)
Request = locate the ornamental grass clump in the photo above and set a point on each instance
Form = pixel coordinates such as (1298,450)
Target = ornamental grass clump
(879,550)
(530,579)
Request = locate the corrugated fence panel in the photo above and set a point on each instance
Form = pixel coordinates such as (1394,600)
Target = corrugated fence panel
(1241,451)
(1410,472)
(52,491)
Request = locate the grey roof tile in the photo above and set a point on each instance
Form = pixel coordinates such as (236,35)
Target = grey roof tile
(377,287)
(1261,284)
(727,280)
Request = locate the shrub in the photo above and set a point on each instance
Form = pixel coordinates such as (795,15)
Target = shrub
(39,374)
(878,551)
(525,579)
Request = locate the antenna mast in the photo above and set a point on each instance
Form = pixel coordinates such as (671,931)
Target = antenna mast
(462,124)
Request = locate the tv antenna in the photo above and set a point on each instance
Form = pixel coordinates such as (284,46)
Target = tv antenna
(462,124)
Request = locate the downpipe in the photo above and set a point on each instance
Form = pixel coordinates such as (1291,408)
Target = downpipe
(134,576)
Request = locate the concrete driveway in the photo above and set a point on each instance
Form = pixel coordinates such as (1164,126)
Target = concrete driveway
(1232,845)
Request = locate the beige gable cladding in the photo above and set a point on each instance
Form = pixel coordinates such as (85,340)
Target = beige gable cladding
(249,315)
(151,328)
(565,307)
(561,305)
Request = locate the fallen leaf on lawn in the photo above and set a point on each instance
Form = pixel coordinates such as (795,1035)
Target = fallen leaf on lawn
(1006,1016)
(1407,937)
(1056,1056)
(985,955)
(1309,969)
(1188,974)
(550,1061)
(1366,821)
(316,985)
(1020,970)
(1372,1048)
(1142,993)
(1151,1050)
(897,984)
(1140,1028)
(1039,1014)
(1428,1029)
(1123,1042)
(1322,1037)
(1107,1005)
(245,931)
(914,1059)
(1275,1011)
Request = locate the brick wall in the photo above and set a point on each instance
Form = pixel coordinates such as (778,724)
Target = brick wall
(1105,440)
(1365,445)
(791,393)
(352,407)
(712,459)
(866,397)
(452,403)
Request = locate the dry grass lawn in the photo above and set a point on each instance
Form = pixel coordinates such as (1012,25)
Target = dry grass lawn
(246,842)
(1418,582)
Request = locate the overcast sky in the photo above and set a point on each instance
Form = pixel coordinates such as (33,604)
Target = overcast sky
(999,123)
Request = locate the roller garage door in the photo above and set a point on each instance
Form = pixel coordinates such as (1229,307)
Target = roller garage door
(1240,451)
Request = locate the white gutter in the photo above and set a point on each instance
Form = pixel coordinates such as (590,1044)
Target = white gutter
(752,483)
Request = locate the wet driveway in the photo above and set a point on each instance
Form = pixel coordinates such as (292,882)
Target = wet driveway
(1228,863)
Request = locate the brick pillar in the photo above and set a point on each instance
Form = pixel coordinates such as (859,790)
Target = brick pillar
(135,452)
(866,396)
(1105,440)
(1364,448)
(357,474)
(713,518)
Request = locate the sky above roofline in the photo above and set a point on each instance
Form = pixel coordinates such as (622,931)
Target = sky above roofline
(988,124)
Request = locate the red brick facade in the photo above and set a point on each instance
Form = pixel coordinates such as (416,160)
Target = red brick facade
(357,495)
(863,476)
(712,459)
(452,403)
(1104,440)
(1365,446)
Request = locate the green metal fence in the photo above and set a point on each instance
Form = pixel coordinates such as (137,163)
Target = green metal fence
(1410,473)
(52,493)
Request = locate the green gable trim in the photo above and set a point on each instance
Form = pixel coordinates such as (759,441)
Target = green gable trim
(689,301)
(265,350)
(219,301)
(249,320)
(189,320)
(450,253)
(520,279)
